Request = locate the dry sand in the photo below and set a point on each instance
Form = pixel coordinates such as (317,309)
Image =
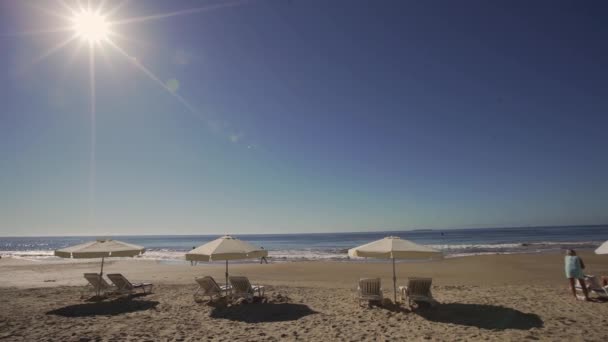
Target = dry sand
(494,297)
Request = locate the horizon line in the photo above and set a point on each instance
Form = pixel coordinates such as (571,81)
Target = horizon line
(318,233)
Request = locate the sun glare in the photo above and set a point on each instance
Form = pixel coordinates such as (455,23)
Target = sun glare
(91,26)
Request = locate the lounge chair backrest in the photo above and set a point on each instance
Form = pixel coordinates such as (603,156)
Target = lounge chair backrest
(240,284)
(593,282)
(97,281)
(419,286)
(369,286)
(208,284)
(120,281)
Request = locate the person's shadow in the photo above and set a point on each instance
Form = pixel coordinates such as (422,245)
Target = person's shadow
(262,312)
(114,307)
(482,316)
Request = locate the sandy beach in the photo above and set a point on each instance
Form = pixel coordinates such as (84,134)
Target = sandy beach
(492,297)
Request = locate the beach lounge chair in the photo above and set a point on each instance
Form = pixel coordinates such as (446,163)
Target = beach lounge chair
(210,288)
(417,290)
(125,286)
(241,287)
(99,284)
(593,285)
(369,289)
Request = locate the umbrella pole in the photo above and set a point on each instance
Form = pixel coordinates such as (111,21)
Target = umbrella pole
(394,283)
(226,272)
(100,275)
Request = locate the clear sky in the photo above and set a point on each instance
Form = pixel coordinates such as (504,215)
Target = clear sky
(306,116)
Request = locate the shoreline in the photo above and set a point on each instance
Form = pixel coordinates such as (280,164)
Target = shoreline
(334,246)
(518,268)
(176,257)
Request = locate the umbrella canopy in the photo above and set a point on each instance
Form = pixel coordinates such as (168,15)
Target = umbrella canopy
(603,249)
(393,247)
(226,248)
(100,249)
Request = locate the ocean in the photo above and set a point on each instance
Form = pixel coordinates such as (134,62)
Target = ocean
(334,246)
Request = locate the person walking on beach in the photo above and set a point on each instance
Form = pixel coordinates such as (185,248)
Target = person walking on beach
(263,259)
(574,267)
(192,262)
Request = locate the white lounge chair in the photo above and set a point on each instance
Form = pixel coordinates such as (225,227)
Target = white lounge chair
(417,290)
(99,284)
(594,285)
(242,288)
(210,288)
(123,285)
(369,289)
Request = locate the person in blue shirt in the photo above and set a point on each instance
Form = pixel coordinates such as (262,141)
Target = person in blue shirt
(574,267)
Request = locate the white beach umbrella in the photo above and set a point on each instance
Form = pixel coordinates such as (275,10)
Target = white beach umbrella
(393,247)
(226,248)
(102,248)
(603,249)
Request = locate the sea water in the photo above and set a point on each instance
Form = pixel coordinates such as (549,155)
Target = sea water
(334,246)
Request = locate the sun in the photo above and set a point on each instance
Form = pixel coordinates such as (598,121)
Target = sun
(91,26)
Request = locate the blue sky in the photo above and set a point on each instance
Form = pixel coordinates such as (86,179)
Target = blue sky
(307,116)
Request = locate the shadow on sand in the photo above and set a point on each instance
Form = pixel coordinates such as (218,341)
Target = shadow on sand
(263,312)
(482,316)
(114,307)
(95,299)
